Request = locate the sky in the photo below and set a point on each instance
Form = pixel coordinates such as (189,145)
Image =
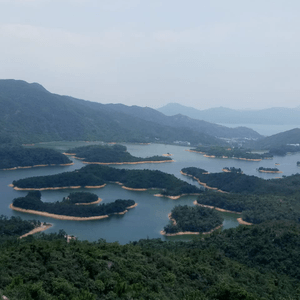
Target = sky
(199,53)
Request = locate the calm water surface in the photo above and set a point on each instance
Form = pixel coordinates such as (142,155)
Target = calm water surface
(151,214)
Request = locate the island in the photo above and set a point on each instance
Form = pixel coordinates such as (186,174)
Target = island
(112,154)
(192,220)
(82,198)
(67,210)
(225,152)
(232,170)
(98,176)
(18,157)
(268,170)
(298,163)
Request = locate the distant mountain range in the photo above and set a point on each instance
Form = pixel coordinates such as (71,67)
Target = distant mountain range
(30,113)
(270,116)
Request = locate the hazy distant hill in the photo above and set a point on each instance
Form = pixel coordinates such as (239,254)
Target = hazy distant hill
(181,120)
(272,116)
(279,139)
(29,113)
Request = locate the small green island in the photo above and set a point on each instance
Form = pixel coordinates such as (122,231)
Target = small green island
(67,208)
(112,154)
(225,152)
(232,170)
(17,157)
(269,170)
(97,176)
(298,163)
(192,220)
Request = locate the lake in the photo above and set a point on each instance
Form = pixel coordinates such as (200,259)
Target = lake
(151,214)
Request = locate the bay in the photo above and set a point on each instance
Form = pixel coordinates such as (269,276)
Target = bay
(151,214)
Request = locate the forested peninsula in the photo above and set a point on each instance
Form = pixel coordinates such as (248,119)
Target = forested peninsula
(256,199)
(13,157)
(111,154)
(192,220)
(225,152)
(67,210)
(97,176)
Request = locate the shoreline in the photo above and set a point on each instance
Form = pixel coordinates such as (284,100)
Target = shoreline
(203,183)
(90,203)
(190,232)
(37,229)
(64,217)
(264,171)
(37,166)
(127,163)
(242,222)
(217,208)
(175,197)
(56,188)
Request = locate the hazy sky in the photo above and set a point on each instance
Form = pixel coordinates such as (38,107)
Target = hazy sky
(201,53)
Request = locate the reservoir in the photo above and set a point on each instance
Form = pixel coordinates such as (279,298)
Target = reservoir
(151,214)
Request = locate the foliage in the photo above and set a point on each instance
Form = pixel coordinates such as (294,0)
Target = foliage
(81,197)
(255,208)
(233,170)
(261,262)
(231,152)
(18,156)
(284,149)
(245,184)
(194,219)
(93,175)
(33,201)
(15,226)
(268,169)
(110,154)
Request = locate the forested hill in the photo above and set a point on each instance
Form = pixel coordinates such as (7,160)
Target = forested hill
(279,140)
(29,113)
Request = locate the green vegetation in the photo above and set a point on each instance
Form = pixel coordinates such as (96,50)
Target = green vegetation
(260,262)
(298,163)
(15,226)
(245,184)
(33,201)
(18,156)
(239,153)
(284,149)
(110,154)
(81,197)
(193,219)
(262,169)
(94,175)
(255,208)
(233,170)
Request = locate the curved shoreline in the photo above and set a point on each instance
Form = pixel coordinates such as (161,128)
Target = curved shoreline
(175,197)
(190,232)
(203,183)
(217,208)
(37,166)
(57,188)
(64,217)
(264,171)
(90,203)
(242,222)
(127,163)
(36,230)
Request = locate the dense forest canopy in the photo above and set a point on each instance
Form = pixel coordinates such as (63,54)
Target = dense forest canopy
(193,219)
(110,154)
(233,170)
(95,175)
(247,263)
(18,156)
(246,184)
(32,201)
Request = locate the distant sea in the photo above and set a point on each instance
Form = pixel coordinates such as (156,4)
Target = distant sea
(263,129)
